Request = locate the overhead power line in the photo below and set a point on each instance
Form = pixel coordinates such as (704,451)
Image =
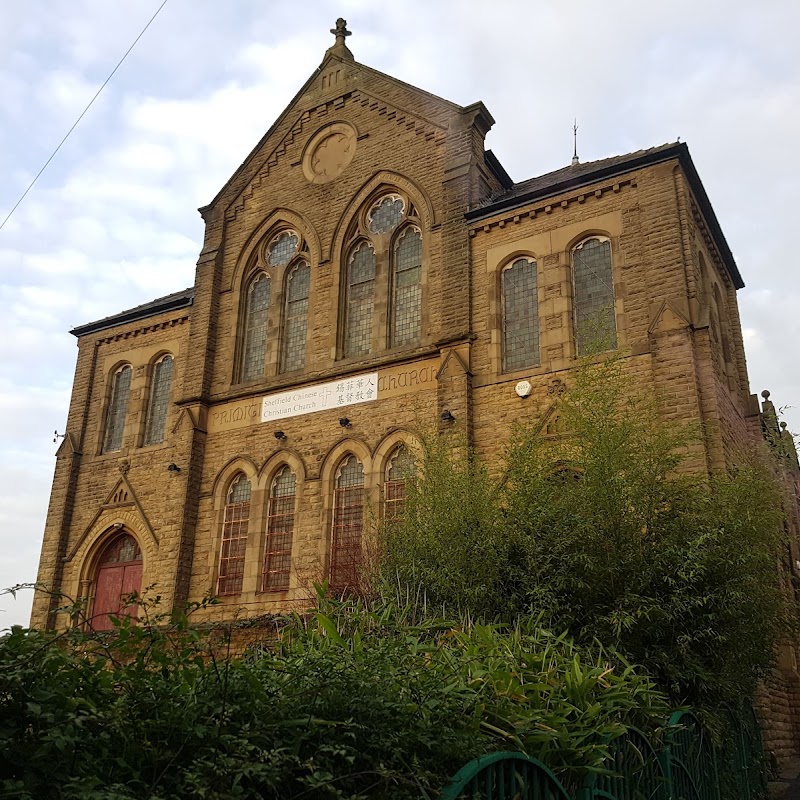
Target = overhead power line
(82,114)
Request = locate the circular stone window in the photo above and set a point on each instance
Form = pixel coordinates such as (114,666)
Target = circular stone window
(329,152)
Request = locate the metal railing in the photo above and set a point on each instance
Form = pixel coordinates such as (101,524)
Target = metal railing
(687,765)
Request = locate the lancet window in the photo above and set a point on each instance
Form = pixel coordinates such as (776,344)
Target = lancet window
(348,524)
(520,307)
(594,314)
(235,523)
(117,409)
(382,278)
(158,402)
(280,531)
(274,308)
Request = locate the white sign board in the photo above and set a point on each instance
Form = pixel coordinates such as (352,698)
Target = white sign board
(324,396)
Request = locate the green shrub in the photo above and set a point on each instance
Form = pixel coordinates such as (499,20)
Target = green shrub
(347,702)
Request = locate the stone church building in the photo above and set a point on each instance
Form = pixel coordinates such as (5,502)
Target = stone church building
(368,266)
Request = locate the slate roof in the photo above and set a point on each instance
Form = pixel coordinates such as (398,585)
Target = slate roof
(169,302)
(577,175)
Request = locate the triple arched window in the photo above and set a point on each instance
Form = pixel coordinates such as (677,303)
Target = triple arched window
(382,278)
(274,308)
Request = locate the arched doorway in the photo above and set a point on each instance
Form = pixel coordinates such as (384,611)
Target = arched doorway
(119,573)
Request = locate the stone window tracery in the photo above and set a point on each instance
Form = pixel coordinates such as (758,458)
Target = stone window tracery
(282,248)
(594,314)
(117,409)
(273,325)
(280,530)
(235,523)
(520,314)
(158,404)
(348,524)
(382,282)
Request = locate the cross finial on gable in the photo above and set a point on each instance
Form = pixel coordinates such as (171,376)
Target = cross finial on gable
(340,32)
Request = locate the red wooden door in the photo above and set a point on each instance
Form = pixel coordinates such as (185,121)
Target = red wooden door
(119,574)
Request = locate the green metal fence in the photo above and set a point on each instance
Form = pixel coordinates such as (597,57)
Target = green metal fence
(686,766)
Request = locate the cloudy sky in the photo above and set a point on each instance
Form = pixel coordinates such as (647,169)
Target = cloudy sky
(113,221)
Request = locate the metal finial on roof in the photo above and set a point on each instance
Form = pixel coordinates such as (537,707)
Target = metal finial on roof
(340,31)
(575,159)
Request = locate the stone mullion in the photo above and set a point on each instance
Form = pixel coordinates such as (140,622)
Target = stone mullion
(272,357)
(381,307)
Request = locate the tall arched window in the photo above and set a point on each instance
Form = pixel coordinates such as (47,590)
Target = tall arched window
(160,387)
(520,307)
(295,319)
(280,529)
(348,524)
(593,296)
(360,300)
(399,468)
(235,522)
(254,349)
(382,282)
(119,575)
(406,288)
(117,409)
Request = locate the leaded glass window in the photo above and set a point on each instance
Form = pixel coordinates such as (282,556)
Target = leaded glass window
(348,524)
(359,301)
(234,537)
(399,469)
(255,327)
(593,305)
(407,288)
(295,323)
(282,248)
(160,386)
(280,527)
(117,409)
(520,315)
(386,214)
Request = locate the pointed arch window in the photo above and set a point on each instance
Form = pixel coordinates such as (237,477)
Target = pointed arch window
(254,350)
(399,468)
(280,529)
(117,409)
(520,306)
(382,281)
(160,388)
(407,288)
(235,523)
(119,575)
(593,296)
(295,320)
(722,321)
(282,248)
(359,300)
(348,524)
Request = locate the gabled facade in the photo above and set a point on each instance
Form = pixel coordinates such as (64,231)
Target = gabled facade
(371,265)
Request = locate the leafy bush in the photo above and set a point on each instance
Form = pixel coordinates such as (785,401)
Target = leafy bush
(605,533)
(347,702)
